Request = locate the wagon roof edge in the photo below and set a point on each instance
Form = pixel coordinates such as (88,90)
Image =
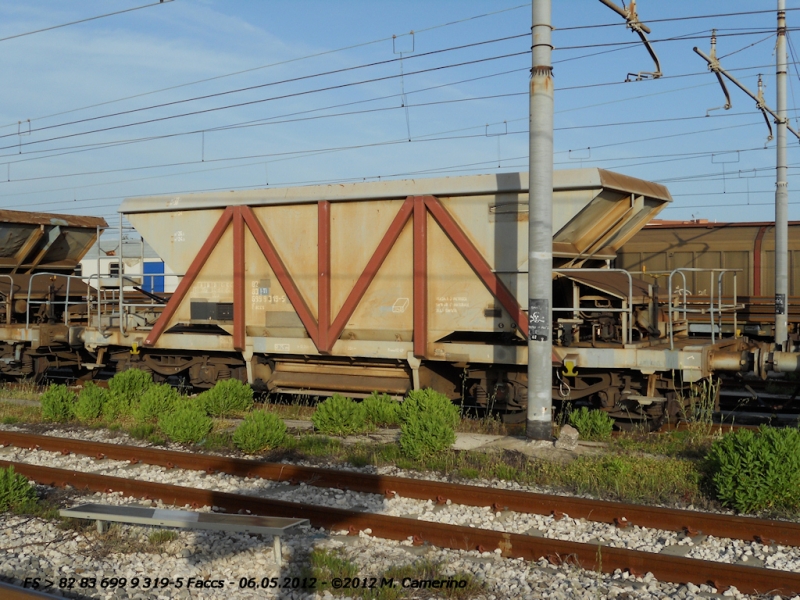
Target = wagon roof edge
(466,185)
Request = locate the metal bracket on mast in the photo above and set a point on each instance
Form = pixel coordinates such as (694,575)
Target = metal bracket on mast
(716,68)
(761,105)
(713,66)
(634,24)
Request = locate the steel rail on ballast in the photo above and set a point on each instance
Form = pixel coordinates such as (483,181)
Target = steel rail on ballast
(15,592)
(618,513)
(605,559)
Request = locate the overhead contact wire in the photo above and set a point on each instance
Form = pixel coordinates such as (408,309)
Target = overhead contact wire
(267,66)
(86,20)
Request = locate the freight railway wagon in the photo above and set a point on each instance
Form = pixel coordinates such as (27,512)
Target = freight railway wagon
(748,248)
(389,286)
(38,254)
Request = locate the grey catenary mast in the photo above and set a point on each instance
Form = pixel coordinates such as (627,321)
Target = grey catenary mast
(781,184)
(540,227)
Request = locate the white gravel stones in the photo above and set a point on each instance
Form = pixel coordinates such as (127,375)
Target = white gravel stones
(180,557)
(36,548)
(33,547)
(72,559)
(578,530)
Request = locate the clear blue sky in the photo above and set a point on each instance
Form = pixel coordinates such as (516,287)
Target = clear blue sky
(461,119)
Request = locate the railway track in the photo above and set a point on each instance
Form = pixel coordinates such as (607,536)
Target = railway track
(615,513)
(14,592)
(513,545)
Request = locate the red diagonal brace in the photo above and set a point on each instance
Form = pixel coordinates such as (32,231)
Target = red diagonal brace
(477,262)
(324,274)
(238,280)
(188,279)
(420,276)
(286,281)
(360,288)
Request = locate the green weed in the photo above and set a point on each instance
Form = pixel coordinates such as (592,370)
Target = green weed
(428,425)
(90,402)
(260,431)
(227,397)
(185,424)
(506,472)
(158,400)
(592,424)
(141,431)
(116,406)
(161,537)
(432,404)
(623,478)
(16,492)
(469,473)
(381,410)
(130,385)
(58,404)
(341,416)
(424,436)
(755,471)
(315,445)
(219,440)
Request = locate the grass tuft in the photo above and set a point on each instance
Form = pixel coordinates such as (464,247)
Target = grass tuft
(186,424)
(158,400)
(227,397)
(141,431)
(16,492)
(339,415)
(381,410)
(90,402)
(326,564)
(592,424)
(161,537)
(757,470)
(260,430)
(428,425)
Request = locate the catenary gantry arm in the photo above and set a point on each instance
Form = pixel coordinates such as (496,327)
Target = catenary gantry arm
(633,23)
(714,67)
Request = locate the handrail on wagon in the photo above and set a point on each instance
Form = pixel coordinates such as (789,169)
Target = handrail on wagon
(627,304)
(94,296)
(9,297)
(32,302)
(67,302)
(720,273)
(123,306)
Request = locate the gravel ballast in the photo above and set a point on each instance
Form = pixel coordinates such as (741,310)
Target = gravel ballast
(34,547)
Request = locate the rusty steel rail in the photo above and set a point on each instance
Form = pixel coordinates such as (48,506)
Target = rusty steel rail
(457,537)
(15,592)
(617,513)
